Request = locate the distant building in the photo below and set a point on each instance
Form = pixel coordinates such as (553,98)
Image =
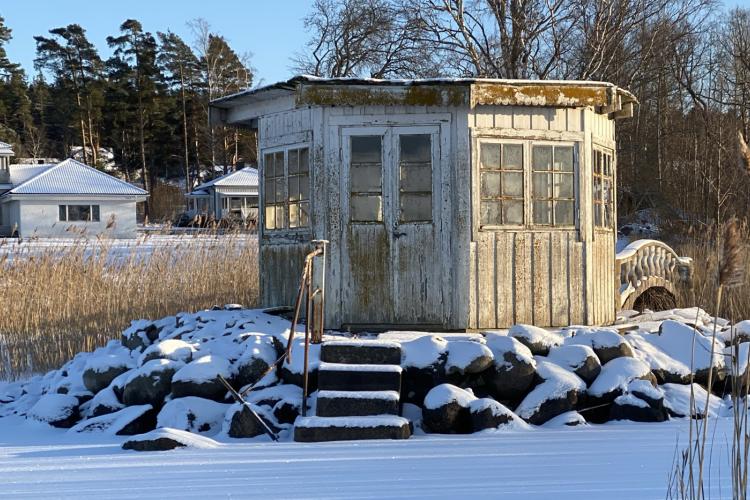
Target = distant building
(64,199)
(234,195)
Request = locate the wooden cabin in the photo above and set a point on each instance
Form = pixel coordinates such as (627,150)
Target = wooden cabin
(448,203)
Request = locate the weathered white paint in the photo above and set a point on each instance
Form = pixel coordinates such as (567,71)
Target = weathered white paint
(35,216)
(482,278)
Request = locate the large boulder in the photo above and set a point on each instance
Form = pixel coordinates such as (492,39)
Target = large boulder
(125,422)
(613,382)
(446,410)
(467,357)
(486,413)
(193,414)
(513,371)
(201,378)
(567,419)
(579,359)
(57,410)
(737,361)
(150,383)
(677,401)
(140,334)
(423,361)
(259,355)
(104,402)
(174,349)
(559,392)
(607,343)
(642,402)
(538,340)
(102,369)
(239,422)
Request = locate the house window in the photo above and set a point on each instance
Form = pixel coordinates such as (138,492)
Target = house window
(286,190)
(603,186)
(525,183)
(415,178)
(502,184)
(552,185)
(78,213)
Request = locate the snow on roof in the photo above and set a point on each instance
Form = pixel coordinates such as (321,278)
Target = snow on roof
(21,173)
(70,177)
(247,176)
(6,149)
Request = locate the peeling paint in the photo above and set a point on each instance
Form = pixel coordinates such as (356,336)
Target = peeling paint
(562,95)
(417,95)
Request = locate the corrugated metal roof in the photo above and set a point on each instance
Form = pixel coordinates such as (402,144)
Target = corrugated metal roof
(6,149)
(73,177)
(247,176)
(22,173)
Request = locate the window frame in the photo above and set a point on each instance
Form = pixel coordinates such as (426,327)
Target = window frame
(92,212)
(528,199)
(598,204)
(262,189)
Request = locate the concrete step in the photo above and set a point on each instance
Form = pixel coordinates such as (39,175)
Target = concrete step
(315,429)
(356,403)
(358,377)
(363,352)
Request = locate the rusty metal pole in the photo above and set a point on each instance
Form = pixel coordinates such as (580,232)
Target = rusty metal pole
(308,321)
(321,247)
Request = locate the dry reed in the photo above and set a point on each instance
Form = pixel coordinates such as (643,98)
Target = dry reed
(67,298)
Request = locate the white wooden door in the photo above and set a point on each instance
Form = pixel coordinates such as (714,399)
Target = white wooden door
(392,242)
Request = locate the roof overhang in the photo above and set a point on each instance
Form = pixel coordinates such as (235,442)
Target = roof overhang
(245,107)
(73,197)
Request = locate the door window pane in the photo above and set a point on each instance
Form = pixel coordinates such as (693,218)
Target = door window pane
(541,158)
(491,213)
(512,157)
(513,184)
(543,212)
(564,210)
(513,212)
(491,184)
(541,186)
(366,179)
(490,155)
(415,178)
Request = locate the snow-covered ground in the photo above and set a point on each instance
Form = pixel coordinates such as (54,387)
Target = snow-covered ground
(614,460)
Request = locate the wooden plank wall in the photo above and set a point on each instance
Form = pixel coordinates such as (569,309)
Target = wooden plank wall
(534,276)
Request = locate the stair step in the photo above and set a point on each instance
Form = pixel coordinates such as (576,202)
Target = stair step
(356,403)
(315,429)
(358,377)
(374,352)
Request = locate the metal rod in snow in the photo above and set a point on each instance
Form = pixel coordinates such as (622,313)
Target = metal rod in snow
(241,400)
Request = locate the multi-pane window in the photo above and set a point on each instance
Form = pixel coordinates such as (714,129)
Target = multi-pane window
(552,191)
(502,184)
(603,185)
(286,189)
(415,178)
(78,213)
(366,179)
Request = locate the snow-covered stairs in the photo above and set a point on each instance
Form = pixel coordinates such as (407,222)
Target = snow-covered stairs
(359,386)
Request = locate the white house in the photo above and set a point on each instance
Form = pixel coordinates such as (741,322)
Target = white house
(234,195)
(63,200)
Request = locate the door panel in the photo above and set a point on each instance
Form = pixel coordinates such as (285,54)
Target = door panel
(391,266)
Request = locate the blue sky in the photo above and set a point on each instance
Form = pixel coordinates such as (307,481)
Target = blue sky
(271,30)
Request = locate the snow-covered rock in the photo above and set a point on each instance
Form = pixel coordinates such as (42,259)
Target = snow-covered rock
(677,401)
(486,413)
(193,414)
(579,359)
(125,422)
(140,334)
(101,369)
(423,360)
(164,439)
(239,422)
(150,383)
(467,357)
(558,393)
(259,354)
(538,340)
(446,410)
(174,349)
(514,369)
(606,342)
(57,410)
(201,378)
(615,377)
(104,402)
(567,419)
(630,407)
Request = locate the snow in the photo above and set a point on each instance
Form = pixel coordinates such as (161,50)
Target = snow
(571,357)
(630,400)
(535,335)
(423,351)
(366,422)
(148,369)
(288,392)
(737,367)
(617,374)
(644,387)
(499,344)
(386,395)
(343,367)
(498,410)
(444,394)
(187,439)
(596,338)
(567,419)
(102,363)
(204,369)
(613,461)
(675,339)
(677,399)
(375,343)
(174,349)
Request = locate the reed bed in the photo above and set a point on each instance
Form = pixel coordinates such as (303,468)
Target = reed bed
(60,298)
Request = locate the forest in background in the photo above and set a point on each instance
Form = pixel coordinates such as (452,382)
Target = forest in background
(687,62)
